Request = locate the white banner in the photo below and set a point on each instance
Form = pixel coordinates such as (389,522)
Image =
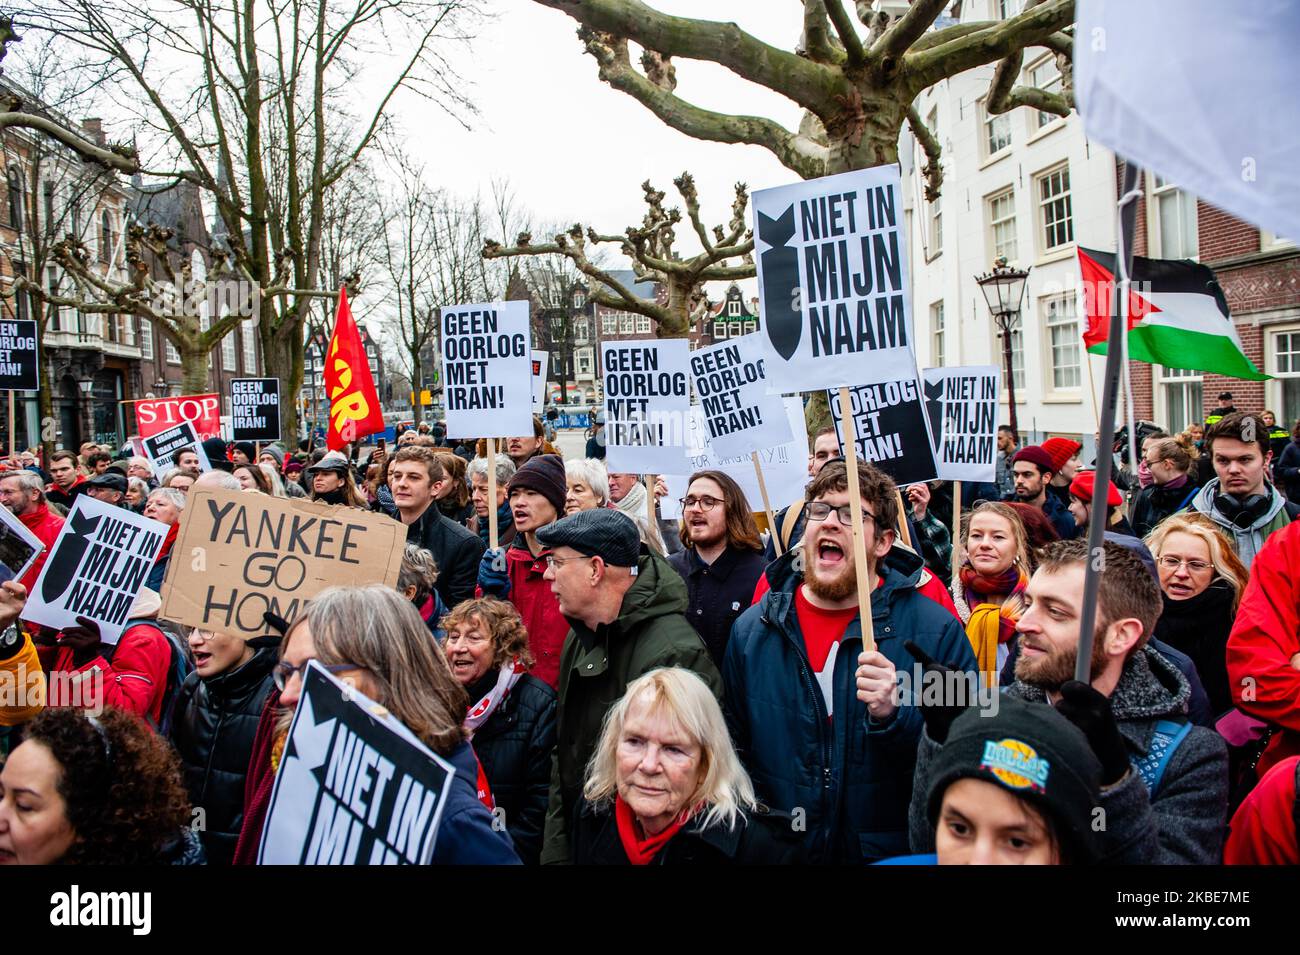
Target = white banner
(487,370)
(98,563)
(962,406)
(541,365)
(740,415)
(647,404)
(833,281)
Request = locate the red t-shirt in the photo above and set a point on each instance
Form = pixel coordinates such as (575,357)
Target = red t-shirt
(822,632)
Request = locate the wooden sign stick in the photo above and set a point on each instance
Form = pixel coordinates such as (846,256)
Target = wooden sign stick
(492,492)
(855,508)
(767,504)
(956,529)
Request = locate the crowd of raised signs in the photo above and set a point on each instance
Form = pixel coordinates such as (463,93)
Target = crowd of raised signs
(610,687)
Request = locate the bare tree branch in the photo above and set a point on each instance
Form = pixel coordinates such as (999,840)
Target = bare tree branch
(845,30)
(929,142)
(898,38)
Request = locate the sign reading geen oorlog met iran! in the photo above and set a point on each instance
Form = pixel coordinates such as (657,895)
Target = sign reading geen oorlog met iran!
(833,281)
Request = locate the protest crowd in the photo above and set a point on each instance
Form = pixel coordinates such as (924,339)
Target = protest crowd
(611,686)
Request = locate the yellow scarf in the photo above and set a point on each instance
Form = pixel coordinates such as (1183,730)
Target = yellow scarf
(982,631)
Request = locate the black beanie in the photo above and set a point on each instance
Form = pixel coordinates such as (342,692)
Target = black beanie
(1034,753)
(545,475)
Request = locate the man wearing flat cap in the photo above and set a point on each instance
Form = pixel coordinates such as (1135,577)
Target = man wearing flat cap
(109,487)
(627,610)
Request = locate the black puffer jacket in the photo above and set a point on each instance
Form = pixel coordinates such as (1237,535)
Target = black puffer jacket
(1153,504)
(762,837)
(515,746)
(215,722)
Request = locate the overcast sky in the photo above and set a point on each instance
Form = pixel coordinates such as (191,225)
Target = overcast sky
(576,150)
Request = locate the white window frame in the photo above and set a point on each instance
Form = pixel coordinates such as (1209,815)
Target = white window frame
(733,308)
(1168,378)
(1045,207)
(229,353)
(173,357)
(1052,307)
(719,330)
(583,357)
(937,335)
(248,333)
(1017,351)
(626,323)
(1273,390)
(146,339)
(609,324)
(643,326)
(1046,76)
(1162,191)
(987,123)
(1008,193)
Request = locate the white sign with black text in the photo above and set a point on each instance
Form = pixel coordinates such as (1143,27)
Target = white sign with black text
(647,403)
(740,415)
(487,370)
(962,405)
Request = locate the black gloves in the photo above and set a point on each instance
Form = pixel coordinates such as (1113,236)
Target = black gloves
(1090,711)
(938,719)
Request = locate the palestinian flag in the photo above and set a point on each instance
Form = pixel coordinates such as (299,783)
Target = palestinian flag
(1177,315)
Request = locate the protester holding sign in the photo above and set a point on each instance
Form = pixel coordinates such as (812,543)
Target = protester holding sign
(216,717)
(413,476)
(722,557)
(1164,780)
(165,506)
(108,792)
(665,786)
(477,473)
(23,494)
(372,639)
(791,520)
(626,607)
(837,746)
(511,717)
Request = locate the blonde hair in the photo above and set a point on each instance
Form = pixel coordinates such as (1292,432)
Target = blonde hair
(690,708)
(1227,565)
(378,630)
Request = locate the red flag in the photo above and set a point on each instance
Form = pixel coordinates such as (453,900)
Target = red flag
(354,404)
(1099,297)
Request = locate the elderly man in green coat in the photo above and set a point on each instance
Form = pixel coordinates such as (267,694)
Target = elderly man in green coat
(626,607)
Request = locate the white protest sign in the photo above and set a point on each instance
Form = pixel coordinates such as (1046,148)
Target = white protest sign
(163,449)
(19,547)
(962,407)
(833,280)
(541,362)
(892,430)
(731,383)
(97,565)
(785,466)
(487,370)
(355,786)
(647,401)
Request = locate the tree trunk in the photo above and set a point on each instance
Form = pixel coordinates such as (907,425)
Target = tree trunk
(194,369)
(417,388)
(678,325)
(282,356)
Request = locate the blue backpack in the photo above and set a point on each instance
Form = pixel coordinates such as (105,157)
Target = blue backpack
(1152,767)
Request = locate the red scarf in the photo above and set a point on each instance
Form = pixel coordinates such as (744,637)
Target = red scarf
(168,541)
(640,851)
(1007,589)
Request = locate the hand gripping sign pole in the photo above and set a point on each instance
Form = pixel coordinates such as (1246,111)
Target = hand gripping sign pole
(855,508)
(767,504)
(492,492)
(1109,399)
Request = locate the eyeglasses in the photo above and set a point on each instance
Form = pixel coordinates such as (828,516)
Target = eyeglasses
(820,510)
(705,503)
(284,672)
(552,560)
(1193,566)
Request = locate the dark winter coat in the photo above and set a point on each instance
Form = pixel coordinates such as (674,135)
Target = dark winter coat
(1153,504)
(456,550)
(851,777)
(515,746)
(213,729)
(467,832)
(1199,627)
(718,593)
(1184,823)
(1287,471)
(595,668)
(757,838)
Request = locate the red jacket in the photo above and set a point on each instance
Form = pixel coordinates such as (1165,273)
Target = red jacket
(45,524)
(135,680)
(1264,644)
(539,609)
(1263,830)
(65,498)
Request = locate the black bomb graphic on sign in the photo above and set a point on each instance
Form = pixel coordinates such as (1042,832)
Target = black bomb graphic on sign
(98,567)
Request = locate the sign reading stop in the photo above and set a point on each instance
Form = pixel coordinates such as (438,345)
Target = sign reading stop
(159,414)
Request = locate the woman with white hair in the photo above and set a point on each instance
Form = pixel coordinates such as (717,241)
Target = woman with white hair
(588,485)
(164,505)
(665,785)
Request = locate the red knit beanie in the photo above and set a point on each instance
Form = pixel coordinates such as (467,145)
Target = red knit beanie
(1060,450)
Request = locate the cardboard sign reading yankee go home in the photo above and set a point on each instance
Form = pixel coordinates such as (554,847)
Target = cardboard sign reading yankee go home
(239,555)
(355,786)
(647,401)
(833,280)
(487,370)
(96,568)
(893,433)
(740,415)
(255,409)
(962,406)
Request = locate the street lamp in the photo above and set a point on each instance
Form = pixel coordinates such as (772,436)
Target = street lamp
(1004,290)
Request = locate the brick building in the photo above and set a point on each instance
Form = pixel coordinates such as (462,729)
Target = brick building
(729,317)
(1260,276)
